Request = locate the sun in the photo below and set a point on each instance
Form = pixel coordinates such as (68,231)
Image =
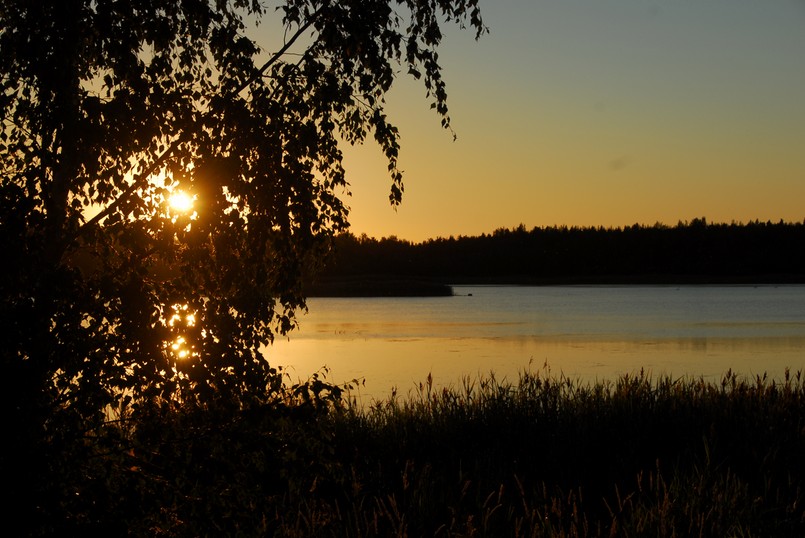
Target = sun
(181,201)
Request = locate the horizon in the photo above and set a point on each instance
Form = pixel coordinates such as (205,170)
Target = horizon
(679,223)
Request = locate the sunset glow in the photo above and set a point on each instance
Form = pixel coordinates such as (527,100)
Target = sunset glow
(181,201)
(182,316)
(179,348)
(584,113)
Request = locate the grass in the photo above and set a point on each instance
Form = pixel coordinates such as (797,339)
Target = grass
(554,457)
(542,456)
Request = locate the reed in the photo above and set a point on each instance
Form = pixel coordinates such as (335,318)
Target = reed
(550,456)
(543,455)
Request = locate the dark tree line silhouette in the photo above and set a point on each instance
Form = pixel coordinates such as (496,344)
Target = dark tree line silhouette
(691,251)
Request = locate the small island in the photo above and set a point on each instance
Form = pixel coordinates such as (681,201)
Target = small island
(377,286)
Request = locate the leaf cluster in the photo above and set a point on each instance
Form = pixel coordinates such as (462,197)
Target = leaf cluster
(109,106)
(110,296)
(542,456)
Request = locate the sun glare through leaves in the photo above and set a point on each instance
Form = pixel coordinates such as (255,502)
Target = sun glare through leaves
(181,201)
(182,317)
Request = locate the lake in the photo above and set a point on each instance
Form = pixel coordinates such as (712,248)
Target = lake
(587,332)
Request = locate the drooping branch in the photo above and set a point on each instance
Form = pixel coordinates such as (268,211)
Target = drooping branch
(139,180)
(142,177)
(277,55)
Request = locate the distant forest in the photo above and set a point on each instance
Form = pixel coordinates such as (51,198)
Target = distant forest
(690,252)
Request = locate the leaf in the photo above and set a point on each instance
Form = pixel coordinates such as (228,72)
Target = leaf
(161,89)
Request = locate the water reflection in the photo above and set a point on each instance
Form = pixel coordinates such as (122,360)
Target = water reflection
(181,323)
(586,332)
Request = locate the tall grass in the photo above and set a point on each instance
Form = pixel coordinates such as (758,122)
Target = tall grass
(550,456)
(542,456)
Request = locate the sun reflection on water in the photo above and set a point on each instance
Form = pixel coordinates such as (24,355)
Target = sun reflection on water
(182,317)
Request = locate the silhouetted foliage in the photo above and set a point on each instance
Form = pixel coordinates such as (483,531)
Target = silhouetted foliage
(692,251)
(109,296)
(550,456)
(539,456)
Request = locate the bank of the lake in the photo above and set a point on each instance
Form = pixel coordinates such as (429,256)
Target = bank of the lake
(542,456)
(412,286)
(377,286)
(689,252)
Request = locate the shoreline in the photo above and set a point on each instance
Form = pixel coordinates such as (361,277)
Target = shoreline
(412,286)
(374,286)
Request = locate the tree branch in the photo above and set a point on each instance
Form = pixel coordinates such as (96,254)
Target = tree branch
(138,180)
(143,176)
(277,55)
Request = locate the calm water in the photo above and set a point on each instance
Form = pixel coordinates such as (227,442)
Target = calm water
(589,332)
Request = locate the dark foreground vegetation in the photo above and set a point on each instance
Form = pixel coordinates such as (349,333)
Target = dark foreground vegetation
(690,252)
(544,456)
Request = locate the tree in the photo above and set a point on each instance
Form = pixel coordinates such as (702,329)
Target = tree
(109,107)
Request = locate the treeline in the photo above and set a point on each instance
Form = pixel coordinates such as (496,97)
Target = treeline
(694,251)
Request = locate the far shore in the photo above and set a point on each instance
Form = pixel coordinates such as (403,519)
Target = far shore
(374,286)
(412,286)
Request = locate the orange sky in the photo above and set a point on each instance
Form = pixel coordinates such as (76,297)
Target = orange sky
(599,113)
(590,112)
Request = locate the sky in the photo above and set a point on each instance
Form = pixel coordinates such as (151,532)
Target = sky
(600,113)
